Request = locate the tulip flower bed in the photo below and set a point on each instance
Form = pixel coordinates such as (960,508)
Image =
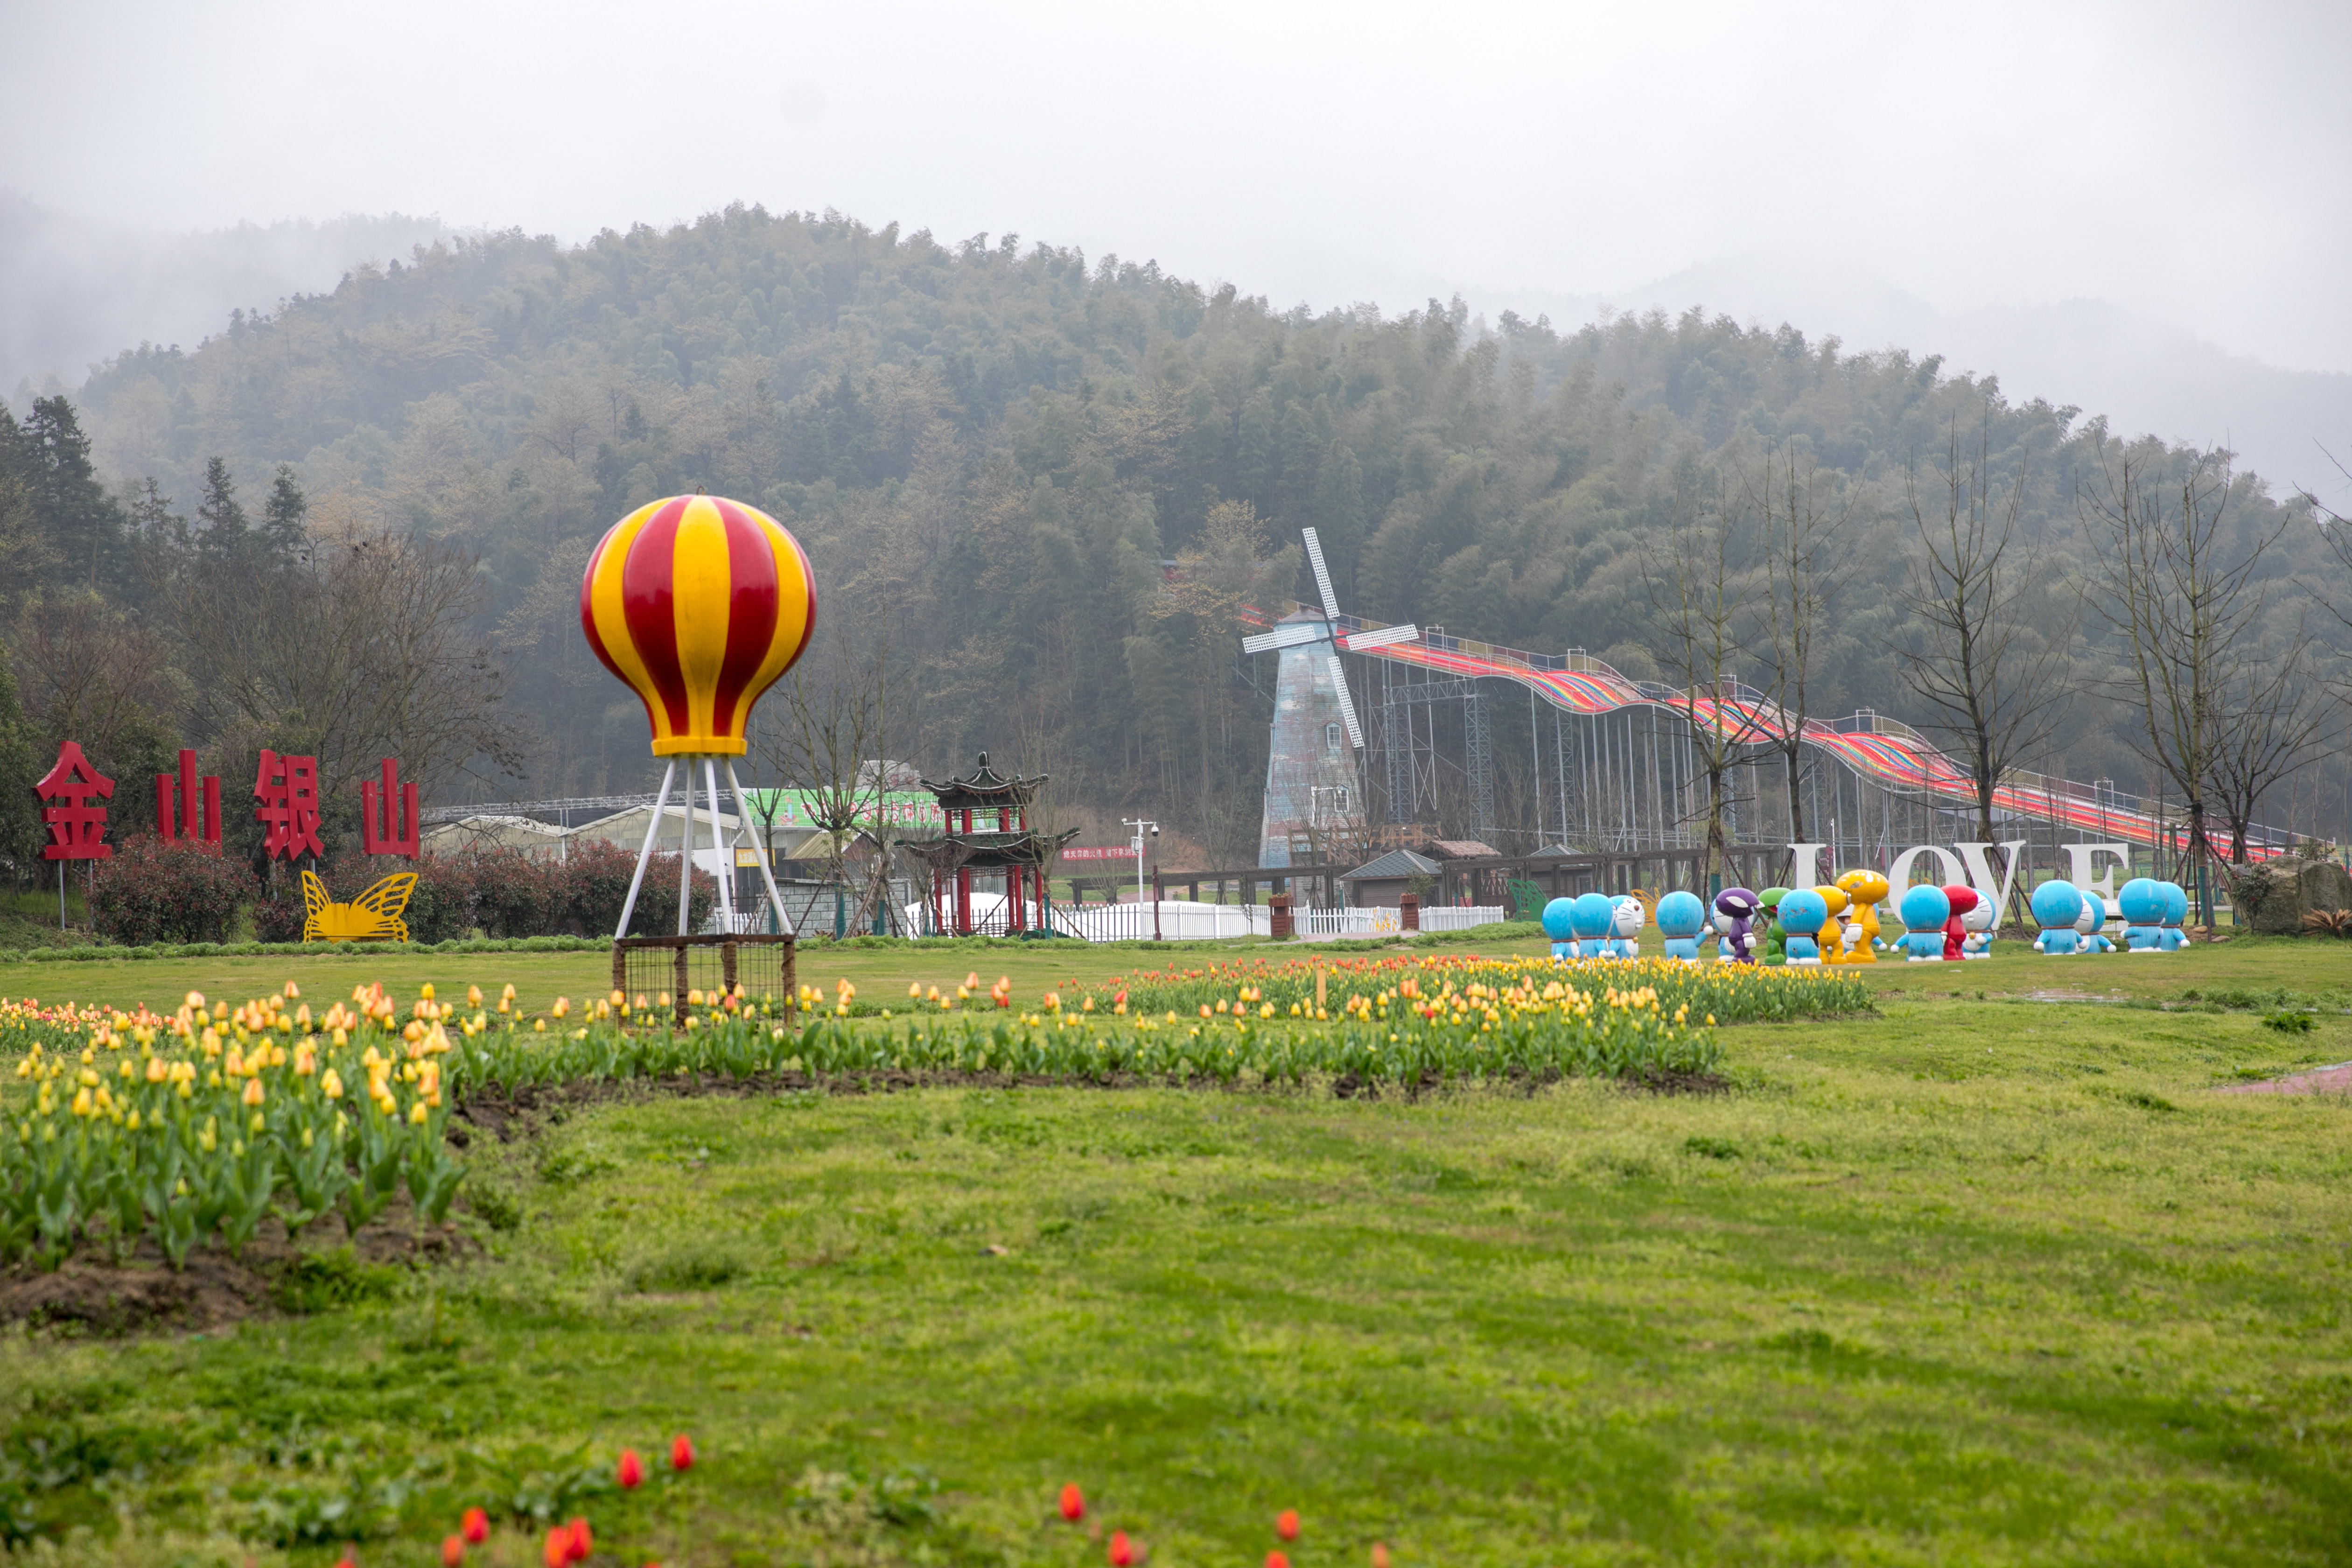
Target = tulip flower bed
(199,1126)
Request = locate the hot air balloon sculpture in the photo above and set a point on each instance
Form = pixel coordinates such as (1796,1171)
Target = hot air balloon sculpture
(699,604)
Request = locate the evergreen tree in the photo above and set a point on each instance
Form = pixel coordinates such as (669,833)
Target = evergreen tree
(78,524)
(284,533)
(224,535)
(21,833)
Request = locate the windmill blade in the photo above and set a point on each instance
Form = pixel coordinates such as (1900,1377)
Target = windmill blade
(1347,705)
(1290,636)
(1322,577)
(1387,636)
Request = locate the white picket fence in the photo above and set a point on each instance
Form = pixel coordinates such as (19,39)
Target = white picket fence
(1182,920)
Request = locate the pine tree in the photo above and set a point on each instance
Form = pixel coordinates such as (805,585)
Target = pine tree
(284,531)
(75,517)
(226,534)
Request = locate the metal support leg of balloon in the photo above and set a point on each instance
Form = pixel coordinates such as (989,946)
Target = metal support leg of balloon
(719,850)
(653,826)
(686,853)
(760,848)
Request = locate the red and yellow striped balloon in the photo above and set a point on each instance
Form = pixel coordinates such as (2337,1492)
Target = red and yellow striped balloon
(700,604)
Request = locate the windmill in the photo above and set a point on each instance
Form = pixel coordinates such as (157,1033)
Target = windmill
(1310,778)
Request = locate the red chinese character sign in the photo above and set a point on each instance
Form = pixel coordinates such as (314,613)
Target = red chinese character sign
(77,829)
(388,820)
(187,806)
(287,789)
(699,604)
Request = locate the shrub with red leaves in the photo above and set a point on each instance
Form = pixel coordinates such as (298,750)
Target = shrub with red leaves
(151,891)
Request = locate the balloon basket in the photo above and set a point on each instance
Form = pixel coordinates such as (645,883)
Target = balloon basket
(714,965)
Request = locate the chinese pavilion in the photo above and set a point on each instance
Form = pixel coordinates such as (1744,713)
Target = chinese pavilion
(988,832)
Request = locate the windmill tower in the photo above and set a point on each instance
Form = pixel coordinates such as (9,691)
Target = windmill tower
(1312,784)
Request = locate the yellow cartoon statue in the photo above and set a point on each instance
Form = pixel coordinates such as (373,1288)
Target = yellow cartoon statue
(1864,891)
(1834,945)
(373,916)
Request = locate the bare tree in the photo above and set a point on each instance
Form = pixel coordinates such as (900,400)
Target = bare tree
(1805,515)
(365,648)
(2274,725)
(833,748)
(2183,594)
(1991,638)
(1702,591)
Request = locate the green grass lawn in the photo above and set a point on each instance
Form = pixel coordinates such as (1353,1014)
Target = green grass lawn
(1971,1280)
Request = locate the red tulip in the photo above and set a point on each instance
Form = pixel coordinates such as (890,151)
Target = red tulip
(452,1551)
(1277,1560)
(1380,1555)
(633,1470)
(681,1453)
(1122,1555)
(1285,1524)
(475,1527)
(583,1542)
(556,1550)
(1073,1503)
(344,1561)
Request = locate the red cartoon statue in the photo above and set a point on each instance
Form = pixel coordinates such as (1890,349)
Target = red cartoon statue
(1955,932)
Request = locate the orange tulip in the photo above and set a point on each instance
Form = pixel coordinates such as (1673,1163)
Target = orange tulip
(345,1560)
(1073,1503)
(556,1550)
(452,1551)
(633,1470)
(475,1527)
(1122,1555)
(582,1542)
(1380,1555)
(681,1453)
(1285,1524)
(1277,1560)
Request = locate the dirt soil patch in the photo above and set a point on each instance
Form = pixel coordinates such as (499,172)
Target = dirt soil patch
(2336,1079)
(90,1294)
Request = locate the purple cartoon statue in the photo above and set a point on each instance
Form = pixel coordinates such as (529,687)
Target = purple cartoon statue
(1734,917)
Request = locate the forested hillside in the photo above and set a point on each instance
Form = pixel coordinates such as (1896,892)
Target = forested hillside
(989,450)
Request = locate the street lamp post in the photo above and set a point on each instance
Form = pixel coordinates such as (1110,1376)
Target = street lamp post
(1135,842)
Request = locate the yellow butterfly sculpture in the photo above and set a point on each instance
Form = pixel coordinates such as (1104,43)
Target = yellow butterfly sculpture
(373,916)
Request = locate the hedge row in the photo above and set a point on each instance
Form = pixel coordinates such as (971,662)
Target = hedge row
(107,952)
(151,894)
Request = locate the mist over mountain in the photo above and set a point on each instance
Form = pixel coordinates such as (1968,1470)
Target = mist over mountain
(2143,373)
(75,290)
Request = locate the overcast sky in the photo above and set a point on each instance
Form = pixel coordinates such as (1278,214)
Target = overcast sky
(2188,162)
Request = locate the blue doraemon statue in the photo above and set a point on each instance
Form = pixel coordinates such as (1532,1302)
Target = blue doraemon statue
(1803,912)
(2144,905)
(1555,925)
(1681,917)
(2056,907)
(1590,919)
(2176,914)
(2092,923)
(1924,908)
(1736,910)
(1626,928)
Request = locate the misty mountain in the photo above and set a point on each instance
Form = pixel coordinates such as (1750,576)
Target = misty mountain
(2143,373)
(988,450)
(74,292)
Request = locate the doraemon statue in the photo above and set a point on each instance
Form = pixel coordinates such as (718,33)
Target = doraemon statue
(2176,911)
(1775,948)
(1589,920)
(1977,925)
(1626,928)
(1924,908)
(2091,925)
(2056,907)
(1803,912)
(1681,917)
(2142,902)
(1555,925)
(1736,910)
(1864,891)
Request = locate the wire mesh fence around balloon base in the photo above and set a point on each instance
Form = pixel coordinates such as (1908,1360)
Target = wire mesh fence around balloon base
(680,967)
